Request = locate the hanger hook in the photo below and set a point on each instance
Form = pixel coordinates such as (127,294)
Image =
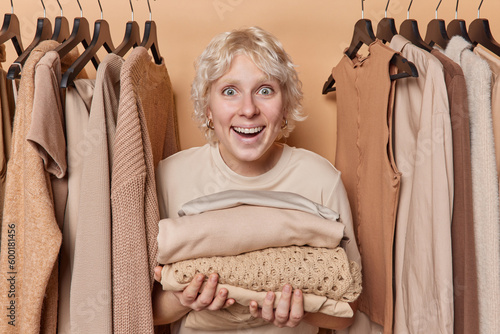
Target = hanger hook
(60,7)
(132,8)
(408,11)
(99,2)
(362,9)
(439,4)
(150,11)
(456,11)
(387,6)
(79,5)
(44,11)
(11,7)
(479,8)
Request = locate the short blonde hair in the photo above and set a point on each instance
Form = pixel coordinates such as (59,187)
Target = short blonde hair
(266,51)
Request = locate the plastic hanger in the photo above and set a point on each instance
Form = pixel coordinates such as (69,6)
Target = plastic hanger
(457,27)
(79,34)
(386,28)
(61,27)
(132,36)
(409,30)
(480,33)
(436,31)
(363,34)
(11,30)
(43,33)
(102,37)
(150,39)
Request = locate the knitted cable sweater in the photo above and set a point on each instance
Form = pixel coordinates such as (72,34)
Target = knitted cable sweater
(146,102)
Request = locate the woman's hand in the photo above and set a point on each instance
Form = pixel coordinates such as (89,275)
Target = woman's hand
(194,297)
(207,298)
(288,313)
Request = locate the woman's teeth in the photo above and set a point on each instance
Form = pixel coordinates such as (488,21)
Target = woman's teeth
(248,130)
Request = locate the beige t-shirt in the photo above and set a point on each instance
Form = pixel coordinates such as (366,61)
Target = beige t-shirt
(201,171)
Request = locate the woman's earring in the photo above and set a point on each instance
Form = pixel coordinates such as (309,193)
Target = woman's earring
(210,124)
(285,124)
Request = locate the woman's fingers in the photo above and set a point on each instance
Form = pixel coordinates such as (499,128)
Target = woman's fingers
(190,293)
(267,312)
(220,301)
(283,309)
(157,274)
(289,311)
(297,309)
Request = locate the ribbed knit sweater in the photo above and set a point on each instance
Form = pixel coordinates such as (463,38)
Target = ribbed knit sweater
(142,128)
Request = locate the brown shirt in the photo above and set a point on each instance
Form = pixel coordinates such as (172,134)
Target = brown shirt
(462,225)
(366,161)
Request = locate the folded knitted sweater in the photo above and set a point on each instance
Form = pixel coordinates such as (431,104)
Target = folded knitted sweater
(320,271)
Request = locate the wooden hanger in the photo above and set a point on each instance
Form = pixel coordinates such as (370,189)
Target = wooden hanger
(480,33)
(132,36)
(457,27)
(386,28)
(436,31)
(11,31)
(43,33)
(409,30)
(79,34)
(101,37)
(150,39)
(363,34)
(61,27)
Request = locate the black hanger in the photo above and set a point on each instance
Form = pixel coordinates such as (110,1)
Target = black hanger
(101,37)
(79,34)
(61,27)
(409,30)
(43,32)
(480,33)
(457,27)
(11,31)
(363,34)
(386,28)
(436,31)
(150,39)
(132,36)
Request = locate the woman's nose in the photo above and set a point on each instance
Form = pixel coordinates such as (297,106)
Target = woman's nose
(249,107)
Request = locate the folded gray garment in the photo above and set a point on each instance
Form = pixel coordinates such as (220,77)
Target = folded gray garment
(277,199)
(241,229)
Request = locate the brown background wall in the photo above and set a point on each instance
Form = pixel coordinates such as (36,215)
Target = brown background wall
(314,33)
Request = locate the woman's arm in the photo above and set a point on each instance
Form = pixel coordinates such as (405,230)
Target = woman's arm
(170,306)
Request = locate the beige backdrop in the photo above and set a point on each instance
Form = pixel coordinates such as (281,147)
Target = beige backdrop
(313,32)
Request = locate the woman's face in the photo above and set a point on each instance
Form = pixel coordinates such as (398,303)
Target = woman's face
(246,108)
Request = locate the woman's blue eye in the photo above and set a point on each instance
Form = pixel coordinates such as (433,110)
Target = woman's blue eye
(265,91)
(229,91)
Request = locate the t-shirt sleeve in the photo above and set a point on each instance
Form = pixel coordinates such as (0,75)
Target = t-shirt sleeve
(46,134)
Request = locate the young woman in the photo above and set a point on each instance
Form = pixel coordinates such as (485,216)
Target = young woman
(247,96)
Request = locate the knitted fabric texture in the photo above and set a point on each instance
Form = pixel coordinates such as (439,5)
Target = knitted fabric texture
(319,271)
(29,224)
(135,213)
